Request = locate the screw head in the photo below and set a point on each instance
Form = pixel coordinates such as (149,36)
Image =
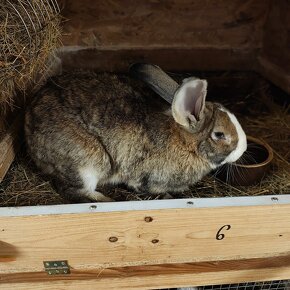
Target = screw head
(148,219)
(113,239)
(155,241)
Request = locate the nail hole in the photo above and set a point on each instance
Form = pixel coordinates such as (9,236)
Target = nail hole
(280,235)
(113,239)
(148,219)
(155,241)
(189,202)
(93,207)
(274,198)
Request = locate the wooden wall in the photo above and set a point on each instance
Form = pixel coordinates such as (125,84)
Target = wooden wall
(176,23)
(277,34)
(181,35)
(219,34)
(275,56)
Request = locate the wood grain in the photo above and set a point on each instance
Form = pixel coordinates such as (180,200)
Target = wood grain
(148,277)
(276,40)
(173,236)
(8,252)
(9,144)
(118,24)
(274,59)
(273,72)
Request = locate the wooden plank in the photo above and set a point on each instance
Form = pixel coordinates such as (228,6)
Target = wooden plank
(118,239)
(276,42)
(160,276)
(274,73)
(170,58)
(9,144)
(195,24)
(274,59)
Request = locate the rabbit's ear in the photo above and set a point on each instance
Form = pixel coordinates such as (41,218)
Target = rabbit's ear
(189,101)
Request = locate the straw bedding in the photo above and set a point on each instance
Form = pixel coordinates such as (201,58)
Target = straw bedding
(261,108)
(30,33)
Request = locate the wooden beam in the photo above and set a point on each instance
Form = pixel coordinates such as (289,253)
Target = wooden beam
(274,73)
(9,145)
(176,59)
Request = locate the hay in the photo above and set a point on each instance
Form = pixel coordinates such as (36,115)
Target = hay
(30,33)
(260,116)
(24,186)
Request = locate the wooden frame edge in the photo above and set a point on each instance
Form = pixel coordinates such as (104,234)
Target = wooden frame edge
(273,73)
(166,275)
(9,145)
(173,58)
(241,201)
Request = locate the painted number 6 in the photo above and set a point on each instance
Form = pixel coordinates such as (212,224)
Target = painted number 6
(220,236)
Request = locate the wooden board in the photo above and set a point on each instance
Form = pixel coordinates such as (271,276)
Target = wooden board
(9,144)
(175,59)
(152,277)
(227,240)
(125,238)
(177,35)
(274,60)
(119,24)
(276,40)
(273,72)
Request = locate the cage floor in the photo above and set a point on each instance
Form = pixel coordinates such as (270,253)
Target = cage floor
(262,109)
(266,285)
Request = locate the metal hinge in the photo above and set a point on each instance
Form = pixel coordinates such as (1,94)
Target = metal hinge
(56,267)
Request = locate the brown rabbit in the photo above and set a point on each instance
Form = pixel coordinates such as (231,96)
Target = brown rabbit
(86,129)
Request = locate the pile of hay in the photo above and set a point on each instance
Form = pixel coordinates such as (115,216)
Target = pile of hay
(30,33)
(259,114)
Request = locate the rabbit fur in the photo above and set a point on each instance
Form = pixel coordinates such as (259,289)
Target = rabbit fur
(86,129)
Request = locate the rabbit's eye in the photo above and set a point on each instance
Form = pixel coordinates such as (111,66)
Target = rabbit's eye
(219,135)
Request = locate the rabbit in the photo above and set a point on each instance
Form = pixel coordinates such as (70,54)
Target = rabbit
(87,129)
